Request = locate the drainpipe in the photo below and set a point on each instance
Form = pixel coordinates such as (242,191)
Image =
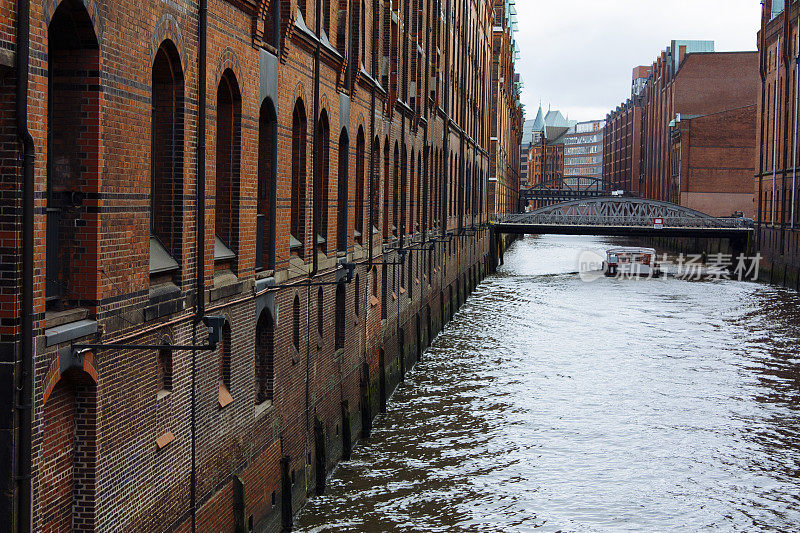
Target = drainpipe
(796,105)
(315,136)
(25,401)
(200,247)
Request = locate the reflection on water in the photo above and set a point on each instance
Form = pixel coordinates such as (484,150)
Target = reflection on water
(557,405)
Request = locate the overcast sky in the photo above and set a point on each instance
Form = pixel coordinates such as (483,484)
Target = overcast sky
(577,55)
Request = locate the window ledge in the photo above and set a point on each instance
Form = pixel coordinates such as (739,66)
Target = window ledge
(262,408)
(163,393)
(70,332)
(59,318)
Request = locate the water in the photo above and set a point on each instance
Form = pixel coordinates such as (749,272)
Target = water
(550,404)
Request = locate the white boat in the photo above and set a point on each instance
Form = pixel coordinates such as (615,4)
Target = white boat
(631,261)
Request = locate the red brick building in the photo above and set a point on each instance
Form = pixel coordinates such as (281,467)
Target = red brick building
(623,148)
(167,161)
(507,118)
(686,83)
(776,183)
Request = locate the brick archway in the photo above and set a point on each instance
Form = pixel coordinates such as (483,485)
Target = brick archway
(68,454)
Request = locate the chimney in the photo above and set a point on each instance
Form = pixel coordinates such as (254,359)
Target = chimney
(681,54)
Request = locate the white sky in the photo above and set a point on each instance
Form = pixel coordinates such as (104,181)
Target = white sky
(577,55)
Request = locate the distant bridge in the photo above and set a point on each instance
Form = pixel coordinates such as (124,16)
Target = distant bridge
(562,190)
(622,216)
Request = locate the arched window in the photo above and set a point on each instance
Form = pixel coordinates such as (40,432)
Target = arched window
(341,323)
(321,181)
(228,145)
(296,323)
(265,358)
(267,185)
(396,192)
(358,224)
(404,211)
(343,196)
(357,296)
(411,202)
(164,374)
(384,291)
(387,193)
(166,163)
(321,312)
(410,260)
(73,167)
(375,188)
(298,202)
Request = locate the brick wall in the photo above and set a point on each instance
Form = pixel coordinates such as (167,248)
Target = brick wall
(112,442)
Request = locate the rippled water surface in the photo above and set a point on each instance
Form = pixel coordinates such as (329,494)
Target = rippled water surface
(550,404)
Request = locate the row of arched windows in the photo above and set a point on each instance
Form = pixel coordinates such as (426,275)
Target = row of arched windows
(73,149)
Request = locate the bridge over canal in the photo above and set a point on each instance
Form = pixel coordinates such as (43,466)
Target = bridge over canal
(626,217)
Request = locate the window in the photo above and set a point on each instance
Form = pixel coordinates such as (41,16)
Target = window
(166,161)
(228,147)
(321,312)
(267,185)
(403,220)
(164,371)
(344,192)
(387,192)
(358,224)
(395,191)
(384,290)
(296,323)
(411,203)
(73,135)
(326,16)
(357,297)
(224,366)
(410,275)
(375,187)
(355,43)
(321,181)
(272,23)
(265,359)
(341,323)
(341,29)
(298,200)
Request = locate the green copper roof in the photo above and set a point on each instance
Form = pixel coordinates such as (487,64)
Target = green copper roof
(777,8)
(692,47)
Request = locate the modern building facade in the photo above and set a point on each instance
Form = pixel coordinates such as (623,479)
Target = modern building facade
(259,162)
(583,151)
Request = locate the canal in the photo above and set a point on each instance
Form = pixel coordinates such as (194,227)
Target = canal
(552,404)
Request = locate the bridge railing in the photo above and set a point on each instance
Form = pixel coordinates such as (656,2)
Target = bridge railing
(590,219)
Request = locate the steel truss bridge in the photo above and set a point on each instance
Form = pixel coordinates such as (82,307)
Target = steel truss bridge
(622,216)
(562,190)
